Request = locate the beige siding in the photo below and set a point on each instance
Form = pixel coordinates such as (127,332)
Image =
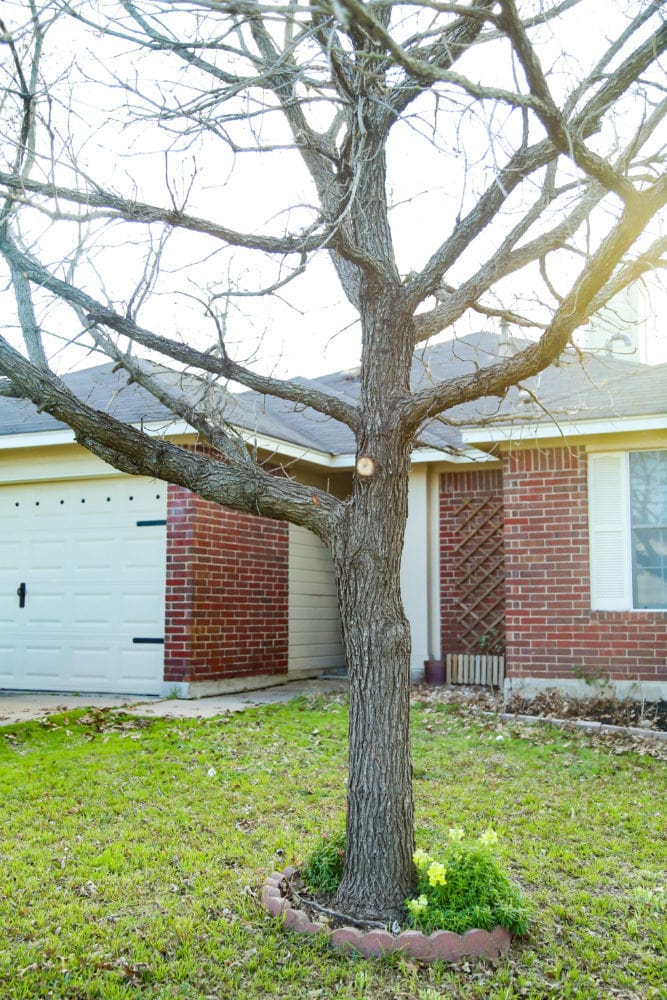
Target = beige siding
(314,622)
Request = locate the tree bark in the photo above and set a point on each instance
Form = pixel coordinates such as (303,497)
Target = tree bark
(367,550)
(379,871)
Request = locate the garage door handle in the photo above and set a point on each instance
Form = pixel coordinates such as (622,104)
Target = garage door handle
(21,592)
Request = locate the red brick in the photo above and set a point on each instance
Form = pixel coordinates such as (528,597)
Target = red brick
(551,630)
(227,591)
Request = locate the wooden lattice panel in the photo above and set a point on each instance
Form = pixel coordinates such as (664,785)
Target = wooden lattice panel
(480,575)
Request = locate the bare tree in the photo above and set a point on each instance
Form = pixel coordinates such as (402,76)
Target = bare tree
(538,140)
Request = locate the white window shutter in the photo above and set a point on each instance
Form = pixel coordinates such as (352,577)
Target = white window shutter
(609,530)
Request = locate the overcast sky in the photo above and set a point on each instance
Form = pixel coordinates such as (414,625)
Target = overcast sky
(307,328)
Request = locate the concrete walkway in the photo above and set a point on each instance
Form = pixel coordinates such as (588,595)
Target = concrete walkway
(23,707)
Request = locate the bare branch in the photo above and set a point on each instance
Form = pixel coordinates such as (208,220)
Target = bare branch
(507,260)
(565,138)
(425,72)
(27,319)
(245,487)
(139,212)
(652,259)
(573,310)
(97,313)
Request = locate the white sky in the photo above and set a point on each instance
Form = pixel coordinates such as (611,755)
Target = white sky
(316,332)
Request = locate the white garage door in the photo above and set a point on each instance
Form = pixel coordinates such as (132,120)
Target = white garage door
(82,584)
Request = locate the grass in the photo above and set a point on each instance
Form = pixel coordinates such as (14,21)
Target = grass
(132,854)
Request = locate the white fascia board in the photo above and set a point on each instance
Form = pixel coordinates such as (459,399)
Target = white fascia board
(301,452)
(462,457)
(37,439)
(178,428)
(563,429)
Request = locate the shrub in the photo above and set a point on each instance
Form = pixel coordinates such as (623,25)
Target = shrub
(324,868)
(466,889)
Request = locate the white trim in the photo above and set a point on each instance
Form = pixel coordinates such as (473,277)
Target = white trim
(462,457)
(263,442)
(609,532)
(517,432)
(414,574)
(433,565)
(312,455)
(36,439)
(48,439)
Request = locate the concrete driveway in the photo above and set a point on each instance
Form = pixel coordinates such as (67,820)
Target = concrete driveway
(17,707)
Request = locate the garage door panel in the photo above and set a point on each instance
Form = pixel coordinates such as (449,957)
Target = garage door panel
(314,620)
(46,609)
(9,552)
(145,611)
(94,582)
(44,553)
(140,551)
(7,657)
(89,663)
(42,661)
(93,610)
(93,553)
(136,669)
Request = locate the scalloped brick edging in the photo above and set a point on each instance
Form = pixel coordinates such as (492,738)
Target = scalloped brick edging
(442,946)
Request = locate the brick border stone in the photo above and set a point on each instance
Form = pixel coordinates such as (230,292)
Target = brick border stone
(444,946)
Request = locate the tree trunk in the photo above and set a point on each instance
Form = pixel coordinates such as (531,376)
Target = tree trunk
(379,871)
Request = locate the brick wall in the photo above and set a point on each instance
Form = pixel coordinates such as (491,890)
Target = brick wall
(226,602)
(466,499)
(550,629)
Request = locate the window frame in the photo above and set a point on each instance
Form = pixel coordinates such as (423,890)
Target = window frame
(612,585)
(637,528)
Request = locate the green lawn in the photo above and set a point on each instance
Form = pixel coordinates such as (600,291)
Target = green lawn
(131,870)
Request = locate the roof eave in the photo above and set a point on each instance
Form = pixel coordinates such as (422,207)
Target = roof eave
(541,430)
(262,442)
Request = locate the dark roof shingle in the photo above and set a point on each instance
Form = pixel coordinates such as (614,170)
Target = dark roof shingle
(585,386)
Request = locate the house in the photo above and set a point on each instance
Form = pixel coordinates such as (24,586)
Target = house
(537,528)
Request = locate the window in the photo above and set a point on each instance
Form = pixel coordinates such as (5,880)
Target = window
(648,520)
(628,530)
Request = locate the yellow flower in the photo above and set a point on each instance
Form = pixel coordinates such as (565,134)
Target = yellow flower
(417,905)
(489,837)
(436,873)
(455,834)
(421,858)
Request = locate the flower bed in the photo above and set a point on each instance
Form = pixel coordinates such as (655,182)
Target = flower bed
(439,946)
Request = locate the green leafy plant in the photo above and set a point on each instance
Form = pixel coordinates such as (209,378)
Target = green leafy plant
(466,889)
(324,868)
